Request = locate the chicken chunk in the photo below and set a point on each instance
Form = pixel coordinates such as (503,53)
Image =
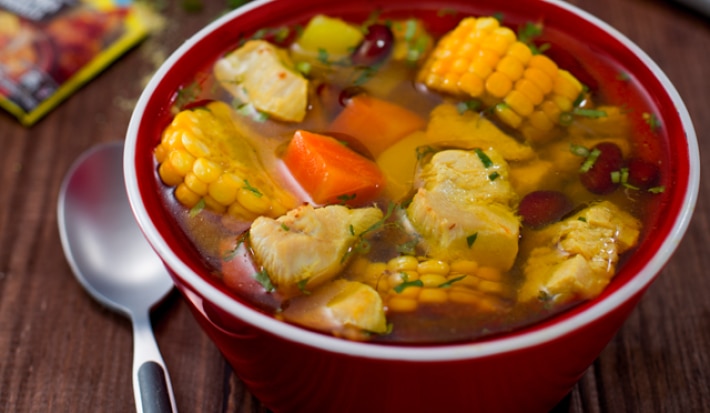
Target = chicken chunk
(263,75)
(308,246)
(463,208)
(576,258)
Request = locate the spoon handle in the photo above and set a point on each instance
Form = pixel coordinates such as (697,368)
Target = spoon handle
(151,383)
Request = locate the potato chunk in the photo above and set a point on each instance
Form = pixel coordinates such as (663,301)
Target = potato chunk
(308,246)
(262,74)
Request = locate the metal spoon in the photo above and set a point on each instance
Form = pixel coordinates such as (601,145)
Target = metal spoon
(115,264)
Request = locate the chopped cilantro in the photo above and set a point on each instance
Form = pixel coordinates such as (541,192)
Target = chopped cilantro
(423,151)
(589,113)
(197,208)
(579,150)
(591,159)
(346,197)
(473,105)
(187,94)
(323,56)
(657,189)
(262,277)
(583,219)
(251,189)
(449,282)
(487,163)
(302,286)
(652,121)
(471,239)
(494,176)
(285,227)
(406,284)
(527,34)
(408,248)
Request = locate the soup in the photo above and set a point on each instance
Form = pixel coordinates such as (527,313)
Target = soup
(405,180)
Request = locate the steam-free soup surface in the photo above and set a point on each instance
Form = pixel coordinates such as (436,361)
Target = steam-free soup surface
(377,180)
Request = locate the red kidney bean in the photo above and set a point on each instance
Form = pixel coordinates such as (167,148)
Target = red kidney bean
(540,208)
(598,178)
(375,47)
(642,174)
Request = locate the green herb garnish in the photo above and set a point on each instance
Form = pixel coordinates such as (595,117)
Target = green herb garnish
(591,159)
(652,121)
(487,163)
(251,189)
(448,283)
(197,208)
(406,284)
(302,286)
(472,105)
(262,277)
(579,150)
(346,197)
(471,239)
(494,176)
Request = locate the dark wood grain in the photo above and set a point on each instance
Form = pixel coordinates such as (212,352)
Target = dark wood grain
(60,351)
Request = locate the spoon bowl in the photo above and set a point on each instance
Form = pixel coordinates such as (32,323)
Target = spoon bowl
(112,260)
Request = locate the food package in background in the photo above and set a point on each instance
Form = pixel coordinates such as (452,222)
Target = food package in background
(49,48)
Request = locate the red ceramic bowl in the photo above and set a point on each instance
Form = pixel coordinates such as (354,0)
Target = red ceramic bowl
(294,370)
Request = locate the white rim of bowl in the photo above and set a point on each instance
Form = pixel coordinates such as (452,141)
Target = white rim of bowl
(438,352)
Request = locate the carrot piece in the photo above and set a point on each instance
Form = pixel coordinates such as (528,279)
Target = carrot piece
(376,123)
(331,172)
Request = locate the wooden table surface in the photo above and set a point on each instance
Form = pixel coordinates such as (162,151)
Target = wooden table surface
(60,351)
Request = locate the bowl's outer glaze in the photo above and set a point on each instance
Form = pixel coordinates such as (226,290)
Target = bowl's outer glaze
(293,370)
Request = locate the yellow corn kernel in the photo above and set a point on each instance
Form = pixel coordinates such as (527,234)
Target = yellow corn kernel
(185,119)
(395,279)
(521,52)
(519,103)
(432,280)
(213,205)
(402,304)
(496,43)
(531,90)
(510,67)
(168,174)
(533,134)
(539,120)
(567,85)
(539,78)
(224,188)
(195,185)
(253,201)
(490,274)
(433,296)
(403,263)
(463,267)
(433,267)
(181,161)
(508,115)
(194,145)
(459,65)
(498,85)
(471,84)
(545,64)
(206,170)
(409,292)
(463,295)
(486,24)
(491,287)
(185,196)
(161,153)
(238,212)
(551,109)
(563,102)
(375,270)
(469,281)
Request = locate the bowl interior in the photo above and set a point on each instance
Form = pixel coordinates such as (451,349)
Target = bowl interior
(566,27)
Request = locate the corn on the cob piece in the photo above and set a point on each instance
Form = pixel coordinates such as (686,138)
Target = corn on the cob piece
(203,156)
(408,282)
(481,59)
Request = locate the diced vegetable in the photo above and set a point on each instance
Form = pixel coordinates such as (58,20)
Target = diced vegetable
(333,36)
(331,172)
(483,60)
(209,162)
(263,75)
(412,41)
(376,123)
